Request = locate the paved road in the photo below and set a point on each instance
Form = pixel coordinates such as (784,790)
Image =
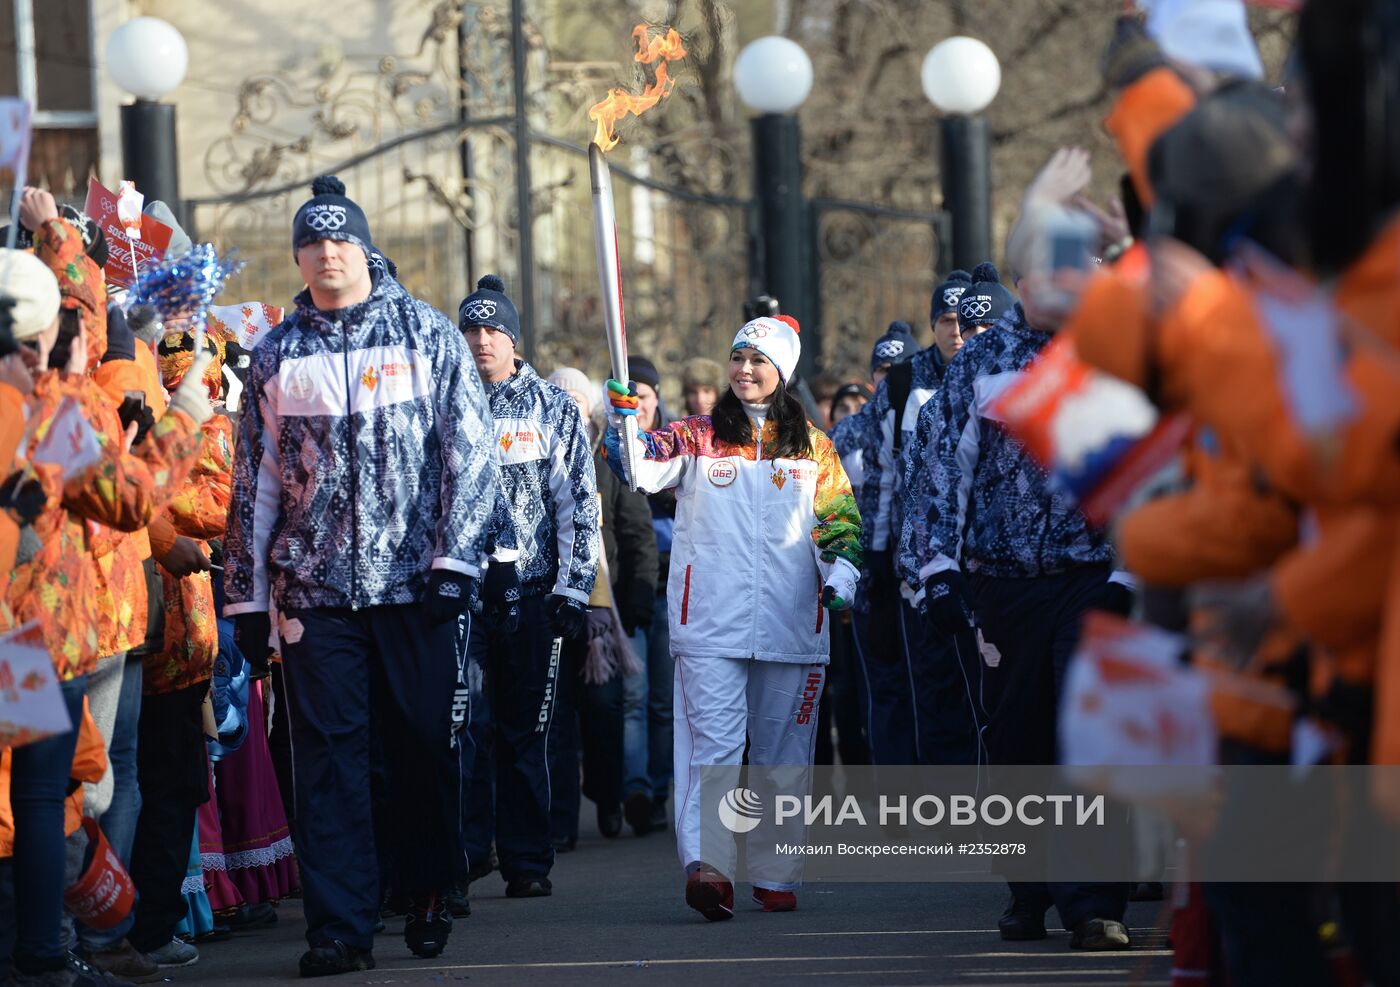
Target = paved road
(617,918)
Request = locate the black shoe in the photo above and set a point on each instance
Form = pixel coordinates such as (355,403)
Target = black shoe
(427,926)
(659,817)
(610,821)
(529,887)
(1147,891)
(248,918)
(480,869)
(637,810)
(563,845)
(1021,922)
(457,903)
(329,958)
(1100,935)
(86,975)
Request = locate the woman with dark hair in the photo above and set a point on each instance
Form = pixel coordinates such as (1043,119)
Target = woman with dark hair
(767,535)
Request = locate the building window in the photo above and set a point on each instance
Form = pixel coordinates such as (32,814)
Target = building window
(47,57)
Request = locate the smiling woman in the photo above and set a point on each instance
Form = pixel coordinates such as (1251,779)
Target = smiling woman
(766,539)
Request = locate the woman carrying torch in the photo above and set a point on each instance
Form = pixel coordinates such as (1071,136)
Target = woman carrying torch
(767,535)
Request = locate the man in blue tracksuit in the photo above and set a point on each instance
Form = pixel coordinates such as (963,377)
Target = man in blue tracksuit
(950,707)
(889,715)
(363,483)
(1006,553)
(944,732)
(551,502)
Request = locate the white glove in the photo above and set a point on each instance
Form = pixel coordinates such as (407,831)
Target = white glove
(839,592)
(192,396)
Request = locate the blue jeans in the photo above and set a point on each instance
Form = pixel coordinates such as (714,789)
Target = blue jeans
(646,710)
(119,821)
(38,787)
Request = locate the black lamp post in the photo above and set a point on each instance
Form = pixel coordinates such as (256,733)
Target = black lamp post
(961,77)
(773,76)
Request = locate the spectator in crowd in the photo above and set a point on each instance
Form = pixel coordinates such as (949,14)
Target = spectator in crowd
(702,380)
(622,601)
(647,712)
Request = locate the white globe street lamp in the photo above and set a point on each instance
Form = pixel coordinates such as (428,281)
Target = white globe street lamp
(961,76)
(773,75)
(147,57)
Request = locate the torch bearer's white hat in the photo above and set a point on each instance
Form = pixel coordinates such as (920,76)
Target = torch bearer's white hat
(775,337)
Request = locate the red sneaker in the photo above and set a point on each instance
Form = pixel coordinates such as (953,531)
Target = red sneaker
(710,894)
(775,901)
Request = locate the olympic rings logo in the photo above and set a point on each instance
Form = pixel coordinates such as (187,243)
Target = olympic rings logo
(975,308)
(475,313)
(951,295)
(326,219)
(889,349)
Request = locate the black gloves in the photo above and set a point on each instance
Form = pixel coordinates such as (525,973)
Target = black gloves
(946,603)
(1130,54)
(23,496)
(567,617)
(121,341)
(637,607)
(449,595)
(251,632)
(1116,599)
(135,410)
(500,593)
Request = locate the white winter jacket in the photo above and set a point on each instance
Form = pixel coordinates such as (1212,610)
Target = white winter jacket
(756,538)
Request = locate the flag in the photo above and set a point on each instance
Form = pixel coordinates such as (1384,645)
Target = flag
(104,206)
(1129,701)
(31,704)
(14,137)
(247,322)
(1098,437)
(70,442)
(129,203)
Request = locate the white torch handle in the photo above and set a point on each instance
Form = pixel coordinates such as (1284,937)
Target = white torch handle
(610,291)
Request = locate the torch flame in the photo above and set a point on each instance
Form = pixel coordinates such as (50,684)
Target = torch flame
(660,51)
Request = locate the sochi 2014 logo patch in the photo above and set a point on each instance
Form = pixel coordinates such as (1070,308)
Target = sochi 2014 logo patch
(951,296)
(723,473)
(757,330)
(779,478)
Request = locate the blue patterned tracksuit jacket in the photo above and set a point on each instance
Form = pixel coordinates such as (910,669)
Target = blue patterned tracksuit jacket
(916,496)
(857,441)
(991,508)
(883,474)
(364,459)
(550,489)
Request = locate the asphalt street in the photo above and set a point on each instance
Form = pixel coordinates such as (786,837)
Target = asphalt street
(617,917)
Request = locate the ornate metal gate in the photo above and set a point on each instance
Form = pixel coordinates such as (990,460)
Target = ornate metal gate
(446,160)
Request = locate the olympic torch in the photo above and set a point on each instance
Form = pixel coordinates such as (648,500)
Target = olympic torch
(610,288)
